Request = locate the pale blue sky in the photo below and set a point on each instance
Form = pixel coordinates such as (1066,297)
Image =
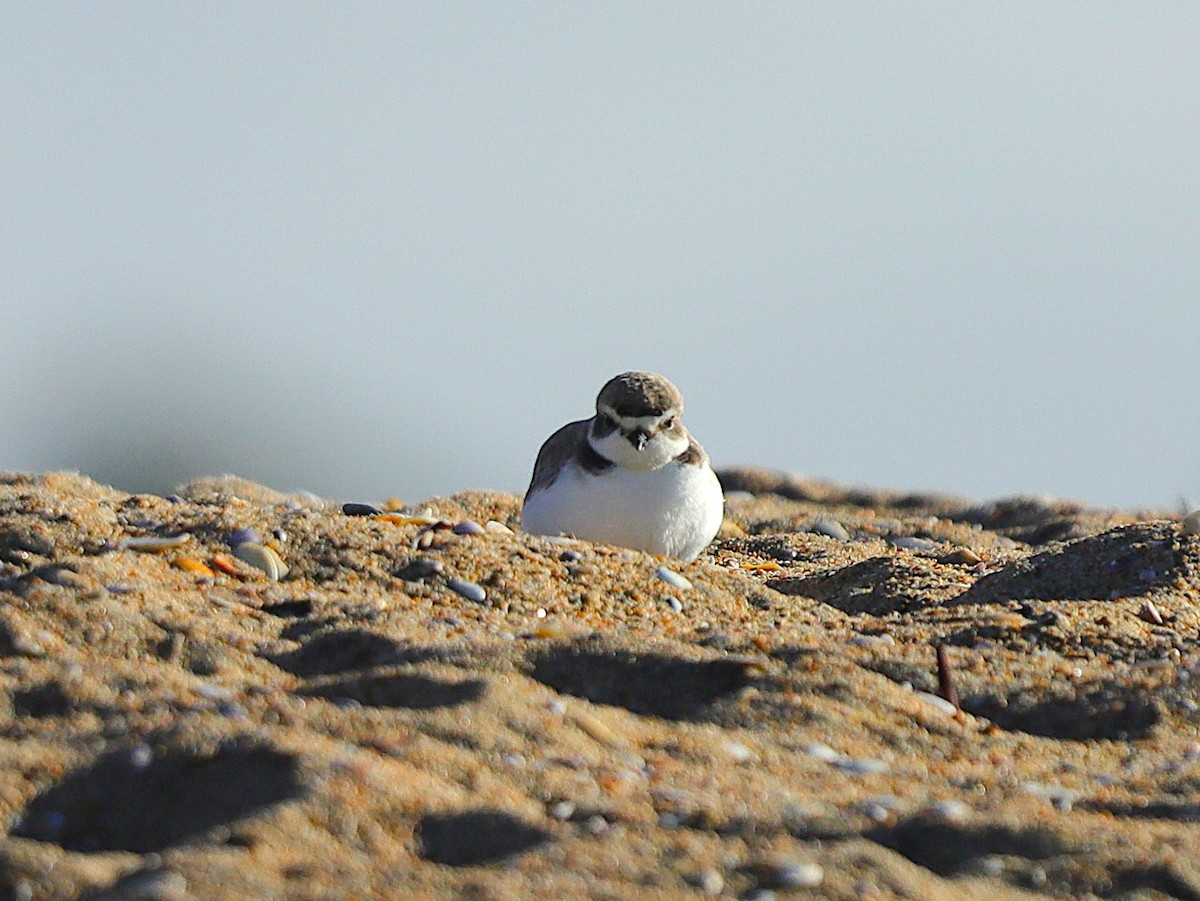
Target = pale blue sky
(376,249)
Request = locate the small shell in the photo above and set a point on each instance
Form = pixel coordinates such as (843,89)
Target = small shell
(262,557)
(831,528)
(1150,613)
(192,565)
(468,590)
(912,543)
(156,542)
(938,702)
(498,527)
(468,527)
(673,578)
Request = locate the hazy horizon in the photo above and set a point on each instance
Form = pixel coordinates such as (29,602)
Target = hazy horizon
(371,250)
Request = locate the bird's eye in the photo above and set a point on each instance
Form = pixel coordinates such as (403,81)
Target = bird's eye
(669,422)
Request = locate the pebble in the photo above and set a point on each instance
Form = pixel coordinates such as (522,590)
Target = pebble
(937,701)
(468,590)
(710,882)
(260,556)
(243,536)
(468,527)
(954,812)
(912,543)
(861,766)
(675,604)
(822,751)
(831,528)
(498,527)
(673,578)
(963,555)
(1061,797)
(570,556)
(739,752)
(792,874)
(156,542)
(360,510)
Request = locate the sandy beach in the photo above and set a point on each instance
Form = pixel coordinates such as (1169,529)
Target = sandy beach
(237,693)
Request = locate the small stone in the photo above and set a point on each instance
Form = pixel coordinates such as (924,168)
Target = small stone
(468,527)
(497,527)
(938,702)
(963,555)
(262,557)
(675,604)
(791,874)
(861,766)
(360,510)
(673,578)
(912,543)
(562,810)
(951,811)
(570,556)
(242,536)
(151,543)
(822,751)
(468,590)
(739,753)
(831,528)
(709,881)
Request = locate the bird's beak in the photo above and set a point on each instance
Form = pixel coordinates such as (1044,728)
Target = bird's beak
(638,438)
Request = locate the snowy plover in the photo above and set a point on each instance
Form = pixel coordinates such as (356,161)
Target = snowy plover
(632,475)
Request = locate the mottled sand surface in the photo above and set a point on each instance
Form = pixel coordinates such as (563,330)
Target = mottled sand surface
(413,712)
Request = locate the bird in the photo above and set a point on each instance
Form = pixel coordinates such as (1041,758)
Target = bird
(632,475)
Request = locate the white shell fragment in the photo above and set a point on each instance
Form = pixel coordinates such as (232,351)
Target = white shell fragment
(938,702)
(156,542)
(262,557)
(673,578)
(493,525)
(467,527)
(468,590)
(831,528)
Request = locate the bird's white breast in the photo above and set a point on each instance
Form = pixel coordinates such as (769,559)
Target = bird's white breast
(674,510)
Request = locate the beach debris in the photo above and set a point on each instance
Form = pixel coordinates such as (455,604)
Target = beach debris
(468,590)
(1150,613)
(937,702)
(861,766)
(830,528)
(152,543)
(467,527)
(193,565)
(672,578)
(788,875)
(360,510)
(262,557)
(243,536)
(946,687)
(499,528)
(912,543)
(769,566)
(420,568)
